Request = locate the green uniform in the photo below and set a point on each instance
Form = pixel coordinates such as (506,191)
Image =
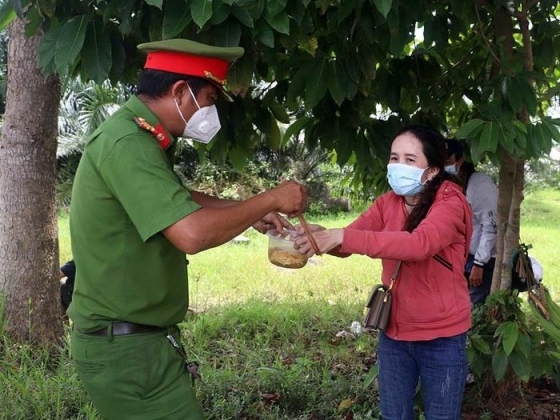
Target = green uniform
(125,193)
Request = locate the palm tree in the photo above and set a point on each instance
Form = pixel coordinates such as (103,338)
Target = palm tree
(83,107)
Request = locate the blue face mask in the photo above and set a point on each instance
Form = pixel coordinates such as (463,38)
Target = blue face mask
(451,169)
(404,179)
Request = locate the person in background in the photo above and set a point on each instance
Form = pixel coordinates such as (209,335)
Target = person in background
(424,223)
(482,196)
(67,276)
(131,224)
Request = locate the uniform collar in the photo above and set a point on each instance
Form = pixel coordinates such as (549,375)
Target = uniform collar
(139,109)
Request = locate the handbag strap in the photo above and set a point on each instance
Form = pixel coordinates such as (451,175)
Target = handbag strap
(395,275)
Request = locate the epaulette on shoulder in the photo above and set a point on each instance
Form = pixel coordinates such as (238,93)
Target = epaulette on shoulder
(158,132)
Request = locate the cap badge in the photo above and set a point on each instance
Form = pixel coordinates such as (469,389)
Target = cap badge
(210,76)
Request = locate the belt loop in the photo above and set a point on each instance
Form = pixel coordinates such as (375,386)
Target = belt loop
(110,332)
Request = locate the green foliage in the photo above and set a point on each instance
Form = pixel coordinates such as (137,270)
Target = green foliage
(280,361)
(38,384)
(346,74)
(506,347)
(265,330)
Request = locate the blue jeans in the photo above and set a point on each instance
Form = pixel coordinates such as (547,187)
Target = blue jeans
(441,367)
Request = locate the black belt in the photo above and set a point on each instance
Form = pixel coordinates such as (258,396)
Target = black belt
(126,328)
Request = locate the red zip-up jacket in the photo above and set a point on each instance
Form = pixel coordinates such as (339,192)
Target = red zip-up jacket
(430,295)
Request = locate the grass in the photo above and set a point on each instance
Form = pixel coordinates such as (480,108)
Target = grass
(272,343)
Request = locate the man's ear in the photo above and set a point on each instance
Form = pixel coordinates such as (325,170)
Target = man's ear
(178,91)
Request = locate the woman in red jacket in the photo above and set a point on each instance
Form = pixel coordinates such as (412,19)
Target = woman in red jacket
(425,222)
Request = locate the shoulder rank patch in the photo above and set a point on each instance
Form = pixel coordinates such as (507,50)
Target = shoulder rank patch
(158,132)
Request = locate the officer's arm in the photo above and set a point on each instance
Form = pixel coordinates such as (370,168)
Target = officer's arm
(210,227)
(210,201)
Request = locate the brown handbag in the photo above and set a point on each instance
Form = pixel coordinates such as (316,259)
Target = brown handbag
(379,304)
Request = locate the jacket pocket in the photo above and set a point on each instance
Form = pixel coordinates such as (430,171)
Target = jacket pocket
(443,262)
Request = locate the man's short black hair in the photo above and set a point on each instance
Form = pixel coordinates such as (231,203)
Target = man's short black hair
(156,83)
(454,147)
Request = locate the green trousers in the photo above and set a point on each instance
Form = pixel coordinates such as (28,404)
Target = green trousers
(138,376)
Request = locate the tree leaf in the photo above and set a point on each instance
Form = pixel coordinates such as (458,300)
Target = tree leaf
(279,22)
(275,7)
(176,17)
(238,157)
(316,83)
(242,15)
(489,137)
(551,129)
(274,136)
(298,82)
(266,35)
(513,93)
(47,7)
(279,112)
(7,14)
(156,3)
(47,49)
(295,128)
(384,6)
(510,333)
(96,54)
(228,33)
(70,42)
(521,365)
(480,344)
(499,364)
(201,11)
(470,129)
(337,80)
(34,21)
(529,96)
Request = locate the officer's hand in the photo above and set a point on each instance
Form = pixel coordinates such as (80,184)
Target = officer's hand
(290,198)
(475,278)
(272,221)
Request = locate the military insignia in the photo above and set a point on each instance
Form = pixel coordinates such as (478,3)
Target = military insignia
(158,132)
(210,76)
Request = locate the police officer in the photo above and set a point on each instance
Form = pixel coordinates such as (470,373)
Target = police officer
(132,223)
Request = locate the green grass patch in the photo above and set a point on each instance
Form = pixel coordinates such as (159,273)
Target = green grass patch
(270,341)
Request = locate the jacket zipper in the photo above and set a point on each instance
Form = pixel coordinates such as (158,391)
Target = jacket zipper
(443,262)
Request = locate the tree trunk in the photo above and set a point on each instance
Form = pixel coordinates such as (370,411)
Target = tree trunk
(29,263)
(512,170)
(512,173)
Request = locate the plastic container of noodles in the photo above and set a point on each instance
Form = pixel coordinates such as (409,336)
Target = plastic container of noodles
(281,251)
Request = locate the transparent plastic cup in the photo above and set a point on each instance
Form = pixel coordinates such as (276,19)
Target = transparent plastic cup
(281,251)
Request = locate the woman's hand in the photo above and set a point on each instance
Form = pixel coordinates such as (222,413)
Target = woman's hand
(326,240)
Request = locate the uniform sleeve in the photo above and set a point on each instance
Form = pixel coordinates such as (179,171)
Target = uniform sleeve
(443,225)
(482,195)
(138,174)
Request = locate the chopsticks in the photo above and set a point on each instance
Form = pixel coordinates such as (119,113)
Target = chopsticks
(305,226)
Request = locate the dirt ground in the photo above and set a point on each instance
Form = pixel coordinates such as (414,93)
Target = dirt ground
(537,401)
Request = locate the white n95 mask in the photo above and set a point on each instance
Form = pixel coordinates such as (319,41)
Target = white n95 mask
(203,125)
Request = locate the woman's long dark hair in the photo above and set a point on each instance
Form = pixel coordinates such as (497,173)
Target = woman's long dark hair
(434,148)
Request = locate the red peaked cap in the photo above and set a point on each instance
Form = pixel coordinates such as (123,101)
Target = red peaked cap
(183,56)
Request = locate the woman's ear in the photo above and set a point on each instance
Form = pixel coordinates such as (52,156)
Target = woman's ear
(432,173)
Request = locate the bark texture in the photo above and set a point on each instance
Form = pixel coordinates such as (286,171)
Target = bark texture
(28,220)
